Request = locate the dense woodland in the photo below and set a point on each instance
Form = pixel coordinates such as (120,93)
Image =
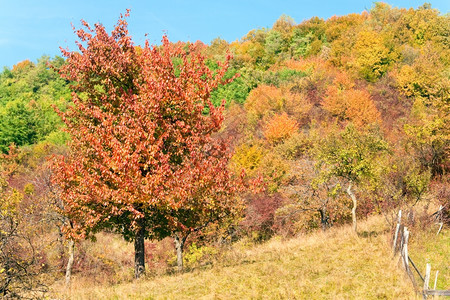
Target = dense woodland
(311,125)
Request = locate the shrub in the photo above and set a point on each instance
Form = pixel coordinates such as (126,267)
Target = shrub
(279,128)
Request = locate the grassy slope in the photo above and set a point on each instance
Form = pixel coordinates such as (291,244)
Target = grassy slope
(427,247)
(331,265)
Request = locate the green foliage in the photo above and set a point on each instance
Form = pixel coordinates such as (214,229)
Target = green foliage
(17,125)
(417,182)
(237,91)
(429,137)
(301,44)
(274,43)
(195,255)
(287,75)
(350,154)
(27,94)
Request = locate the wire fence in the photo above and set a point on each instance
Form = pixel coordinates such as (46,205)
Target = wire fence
(400,246)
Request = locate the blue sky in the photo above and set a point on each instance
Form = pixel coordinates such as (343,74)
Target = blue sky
(32,28)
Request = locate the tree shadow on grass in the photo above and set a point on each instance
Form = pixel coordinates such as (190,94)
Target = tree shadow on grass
(368,234)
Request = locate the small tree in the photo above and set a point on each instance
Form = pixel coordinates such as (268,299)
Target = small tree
(350,155)
(144,161)
(20,266)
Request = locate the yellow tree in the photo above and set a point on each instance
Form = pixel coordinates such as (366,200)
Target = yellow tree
(371,57)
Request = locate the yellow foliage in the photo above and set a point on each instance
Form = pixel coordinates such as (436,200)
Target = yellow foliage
(248,51)
(28,189)
(372,57)
(429,136)
(9,203)
(424,78)
(275,171)
(247,158)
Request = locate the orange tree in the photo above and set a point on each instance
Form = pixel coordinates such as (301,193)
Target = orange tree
(143,159)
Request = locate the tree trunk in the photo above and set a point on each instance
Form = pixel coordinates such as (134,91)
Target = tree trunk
(323,218)
(179,244)
(139,253)
(70,261)
(350,193)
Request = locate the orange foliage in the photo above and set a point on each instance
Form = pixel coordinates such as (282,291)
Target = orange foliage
(22,65)
(347,103)
(279,128)
(263,100)
(361,109)
(336,26)
(312,63)
(298,106)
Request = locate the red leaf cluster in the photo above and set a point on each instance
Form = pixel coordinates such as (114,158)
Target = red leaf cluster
(141,125)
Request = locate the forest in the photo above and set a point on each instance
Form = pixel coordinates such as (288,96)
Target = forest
(122,162)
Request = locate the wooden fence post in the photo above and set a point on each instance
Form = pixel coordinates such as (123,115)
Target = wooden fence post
(406,257)
(404,248)
(435,282)
(426,281)
(439,219)
(394,246)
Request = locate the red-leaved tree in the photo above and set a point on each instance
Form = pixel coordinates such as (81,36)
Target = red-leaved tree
(144,161)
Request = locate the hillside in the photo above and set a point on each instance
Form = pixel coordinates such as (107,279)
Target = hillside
(230,160)
(325,265)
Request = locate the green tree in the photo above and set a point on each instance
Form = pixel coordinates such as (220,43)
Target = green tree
(351,156)
(17,125)
(27,94)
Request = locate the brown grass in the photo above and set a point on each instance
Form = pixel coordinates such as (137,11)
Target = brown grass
(331,265)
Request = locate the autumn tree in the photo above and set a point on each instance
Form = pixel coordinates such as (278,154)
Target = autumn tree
(372,56)
(345,102)
(279,128)
(22,261)
(144,161)
(351,156)
(428,135)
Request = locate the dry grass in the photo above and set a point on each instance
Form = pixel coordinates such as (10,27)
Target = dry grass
(332,265)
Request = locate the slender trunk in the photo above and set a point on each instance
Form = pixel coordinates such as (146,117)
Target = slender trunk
(70,261)
(139,253)
(323,218)
(350,193)
(179,244)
